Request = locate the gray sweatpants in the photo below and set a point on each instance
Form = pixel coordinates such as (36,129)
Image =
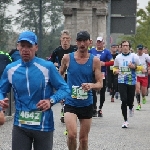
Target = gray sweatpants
(22,139)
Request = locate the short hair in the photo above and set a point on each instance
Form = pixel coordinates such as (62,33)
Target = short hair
(65,32)
(124,42)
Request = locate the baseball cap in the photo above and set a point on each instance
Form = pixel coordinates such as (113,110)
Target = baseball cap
(113,45)
(140,47)
(28,36)
(83,35)
(99,38)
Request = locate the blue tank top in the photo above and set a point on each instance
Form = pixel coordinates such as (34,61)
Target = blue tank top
(76,75)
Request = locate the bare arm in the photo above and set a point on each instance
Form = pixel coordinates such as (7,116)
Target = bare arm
(98,75)
(2,118)
(64,64)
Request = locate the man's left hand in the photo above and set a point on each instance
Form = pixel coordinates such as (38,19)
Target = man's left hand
(131,65)
(86,86)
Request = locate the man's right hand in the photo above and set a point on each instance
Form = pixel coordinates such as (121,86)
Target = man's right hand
(4,103)
(116,71)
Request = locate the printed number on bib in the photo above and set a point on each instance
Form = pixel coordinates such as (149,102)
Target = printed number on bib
(125,70)
(111,67)
(79,93)
(139,72)
(30,118)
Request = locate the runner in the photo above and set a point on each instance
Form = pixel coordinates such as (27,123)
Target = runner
(14,53)
(146,51)
(125,65)
(64,48)
(106,60)
(58,53)
(142,76)
(5,59)
(33,80)
(81,67)
(112,80)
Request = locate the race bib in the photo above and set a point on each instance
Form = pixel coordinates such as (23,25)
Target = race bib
(30,118)
(111,67)
(139,72)
(125,70)
(79,93)
(103,75)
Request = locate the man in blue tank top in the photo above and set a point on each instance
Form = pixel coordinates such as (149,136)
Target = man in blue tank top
(81,68)
(33,80)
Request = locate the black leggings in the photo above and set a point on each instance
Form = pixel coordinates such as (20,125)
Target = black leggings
(127,93)
(102,96)
(112,83)
(94,99)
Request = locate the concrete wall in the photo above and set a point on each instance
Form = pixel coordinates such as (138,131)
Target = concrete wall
(89,15)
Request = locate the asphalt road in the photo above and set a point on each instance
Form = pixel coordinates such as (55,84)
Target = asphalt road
(106,132)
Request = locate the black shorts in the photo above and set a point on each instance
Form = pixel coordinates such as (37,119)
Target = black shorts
(85,112)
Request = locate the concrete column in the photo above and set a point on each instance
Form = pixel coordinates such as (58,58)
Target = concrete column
(89,15)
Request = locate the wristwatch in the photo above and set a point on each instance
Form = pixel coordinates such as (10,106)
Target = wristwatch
(52,102)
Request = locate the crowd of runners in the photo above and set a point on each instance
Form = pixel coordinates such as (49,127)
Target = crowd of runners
(89,69)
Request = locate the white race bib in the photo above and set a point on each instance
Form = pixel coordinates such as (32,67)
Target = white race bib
(79,93)
(30,118)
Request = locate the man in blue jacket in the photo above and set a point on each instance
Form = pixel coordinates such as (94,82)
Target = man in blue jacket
(33,80)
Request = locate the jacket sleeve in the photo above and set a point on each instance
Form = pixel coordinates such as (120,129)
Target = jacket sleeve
(5,85)
(61,87)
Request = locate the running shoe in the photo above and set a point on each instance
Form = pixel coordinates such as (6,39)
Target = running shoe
(112,99)
(100,114)
(144,100)
(138,107)
(110,92)
(116,95)
(107,89)
(131,112)
(66,132)
(95,113)
(125,124)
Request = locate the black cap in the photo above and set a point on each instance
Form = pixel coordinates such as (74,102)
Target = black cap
(113,45)
(140,47)
(83,35)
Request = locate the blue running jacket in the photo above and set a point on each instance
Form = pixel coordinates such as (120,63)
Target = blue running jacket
(31,82)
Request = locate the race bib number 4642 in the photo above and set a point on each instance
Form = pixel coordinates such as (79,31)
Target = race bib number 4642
(30,118)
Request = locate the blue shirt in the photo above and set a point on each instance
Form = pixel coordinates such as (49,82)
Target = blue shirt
(103,55)
(33,81)
(76,75)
